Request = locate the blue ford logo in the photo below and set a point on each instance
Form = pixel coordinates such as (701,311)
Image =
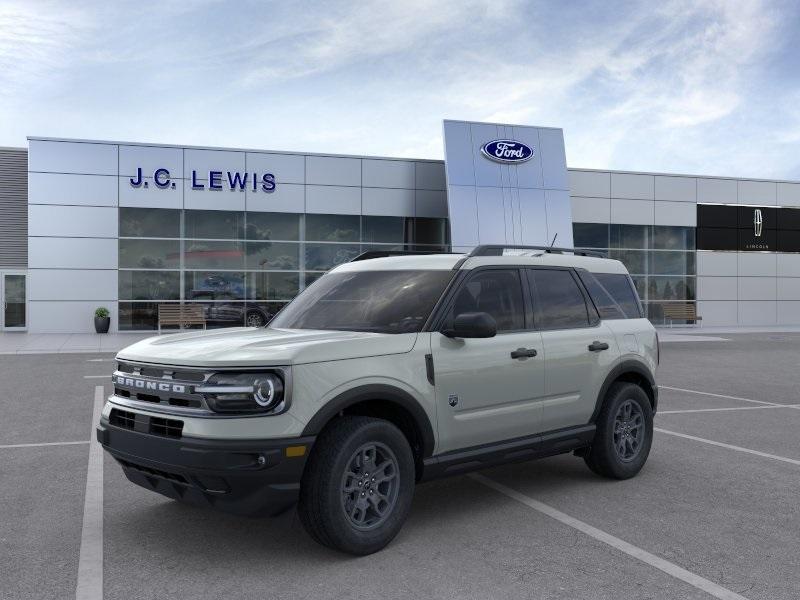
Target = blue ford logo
(507,151)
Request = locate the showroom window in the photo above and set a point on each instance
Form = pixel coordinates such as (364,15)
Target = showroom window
(243,267)
(660,258)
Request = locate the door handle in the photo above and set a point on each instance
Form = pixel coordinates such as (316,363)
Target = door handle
(597,346)
(523,353)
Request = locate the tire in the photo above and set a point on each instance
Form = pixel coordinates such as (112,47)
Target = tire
(349,513)
(255,319)
(612,454)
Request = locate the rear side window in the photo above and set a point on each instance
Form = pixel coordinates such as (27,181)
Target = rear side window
(613,295)
(558,301)
(497,292)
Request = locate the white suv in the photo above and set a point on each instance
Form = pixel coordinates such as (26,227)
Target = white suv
(387,371)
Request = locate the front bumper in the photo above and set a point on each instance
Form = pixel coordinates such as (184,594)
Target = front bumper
(245,477)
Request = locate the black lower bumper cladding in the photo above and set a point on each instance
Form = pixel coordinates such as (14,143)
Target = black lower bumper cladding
(249,477)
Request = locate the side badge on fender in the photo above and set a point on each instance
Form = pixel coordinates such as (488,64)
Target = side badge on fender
(452,399)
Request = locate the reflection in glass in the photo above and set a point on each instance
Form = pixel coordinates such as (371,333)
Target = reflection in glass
(670,288)
(272,286)
(209,285)
(385,229)
(430,231)
(629,236)
(213,255)
(149,254)
(333,228)
(634,260)
(149,285)
(673,238)
(13,301)
(273,226)
(590,235)
(214,224)
(672,263)
(149,222)
(321,257)
(272,255)
(135,316)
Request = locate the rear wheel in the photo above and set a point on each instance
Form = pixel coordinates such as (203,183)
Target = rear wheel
(255,319)
(357,488)
(624,433)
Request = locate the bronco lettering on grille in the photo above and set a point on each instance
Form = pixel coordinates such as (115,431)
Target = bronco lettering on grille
(156,386)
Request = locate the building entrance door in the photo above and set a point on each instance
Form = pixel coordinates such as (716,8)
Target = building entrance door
(14,315)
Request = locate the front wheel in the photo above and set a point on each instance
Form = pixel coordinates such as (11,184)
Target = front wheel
(624,433)
(357,487)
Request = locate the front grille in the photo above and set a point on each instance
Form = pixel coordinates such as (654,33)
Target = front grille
(171,428)
(122,418)
(166,427)
(160,385)
(157,472)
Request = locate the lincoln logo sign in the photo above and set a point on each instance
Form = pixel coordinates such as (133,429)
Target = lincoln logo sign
(507,151)
(758,222)
(212,180)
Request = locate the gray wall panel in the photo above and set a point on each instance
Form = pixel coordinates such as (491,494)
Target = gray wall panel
(57,316)
(388,174)
(430,176)
(591,210)
(388,202)
(72,221)
(430,203)
(717,190)
(72,157)
(590,184)
(58,188)
(287,197)
(150,196)
(676,189)
(328,170)
(73,253)
(329,199)
(72,284)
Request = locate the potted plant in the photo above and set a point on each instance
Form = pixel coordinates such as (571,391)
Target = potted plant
(101,320)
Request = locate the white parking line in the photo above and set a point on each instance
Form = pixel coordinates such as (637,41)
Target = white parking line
(90,562)
(97,377)
(671,569)
(674,389)
(700,410)
(44,444)
(791,461)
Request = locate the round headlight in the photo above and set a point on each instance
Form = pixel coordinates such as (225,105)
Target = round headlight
(264,392)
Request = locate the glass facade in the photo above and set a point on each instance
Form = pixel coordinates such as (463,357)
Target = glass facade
(660,259)
(244,266)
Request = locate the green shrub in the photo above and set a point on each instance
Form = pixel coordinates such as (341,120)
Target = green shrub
(101,313)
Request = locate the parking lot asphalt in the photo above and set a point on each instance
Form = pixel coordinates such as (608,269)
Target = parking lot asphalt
(714,513)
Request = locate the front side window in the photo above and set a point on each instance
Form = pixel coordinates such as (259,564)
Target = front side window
(376,301)
(559,301)
(619,287)
(497,292)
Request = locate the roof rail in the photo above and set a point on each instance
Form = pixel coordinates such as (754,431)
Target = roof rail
(497,250)
(386,253)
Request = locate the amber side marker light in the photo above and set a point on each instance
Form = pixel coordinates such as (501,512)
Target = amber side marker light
(295,451)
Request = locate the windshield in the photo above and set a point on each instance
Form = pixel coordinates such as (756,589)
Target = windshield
(379,301)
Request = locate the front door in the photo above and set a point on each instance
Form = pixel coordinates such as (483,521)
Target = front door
(12,291)
(483,393)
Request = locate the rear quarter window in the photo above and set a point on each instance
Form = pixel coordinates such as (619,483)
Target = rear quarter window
(613,294)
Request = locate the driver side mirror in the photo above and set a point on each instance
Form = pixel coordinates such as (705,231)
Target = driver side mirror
(472,325)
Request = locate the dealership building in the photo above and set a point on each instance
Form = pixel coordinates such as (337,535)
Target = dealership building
(136,227)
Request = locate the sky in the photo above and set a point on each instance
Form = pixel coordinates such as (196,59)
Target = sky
(699,87)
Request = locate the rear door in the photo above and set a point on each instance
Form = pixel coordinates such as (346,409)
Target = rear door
(578,348)
(489,389)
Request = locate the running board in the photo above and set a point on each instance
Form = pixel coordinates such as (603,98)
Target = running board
(517,450)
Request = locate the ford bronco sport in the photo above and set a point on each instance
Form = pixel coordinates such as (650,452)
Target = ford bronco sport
(387,371)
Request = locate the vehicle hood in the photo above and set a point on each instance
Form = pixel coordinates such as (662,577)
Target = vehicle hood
(259,346)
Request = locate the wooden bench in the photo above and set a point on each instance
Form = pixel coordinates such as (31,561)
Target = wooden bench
(683,311)
(181,315)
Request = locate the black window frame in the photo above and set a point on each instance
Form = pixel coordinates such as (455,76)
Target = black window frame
(592,315)
(442,310)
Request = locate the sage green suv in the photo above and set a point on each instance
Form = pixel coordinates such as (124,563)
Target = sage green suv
(388,371)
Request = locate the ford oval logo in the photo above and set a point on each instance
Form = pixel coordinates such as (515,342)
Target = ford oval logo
(507,151)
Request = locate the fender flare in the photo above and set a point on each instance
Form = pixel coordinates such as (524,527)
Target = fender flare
(626,366)
(375,391)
